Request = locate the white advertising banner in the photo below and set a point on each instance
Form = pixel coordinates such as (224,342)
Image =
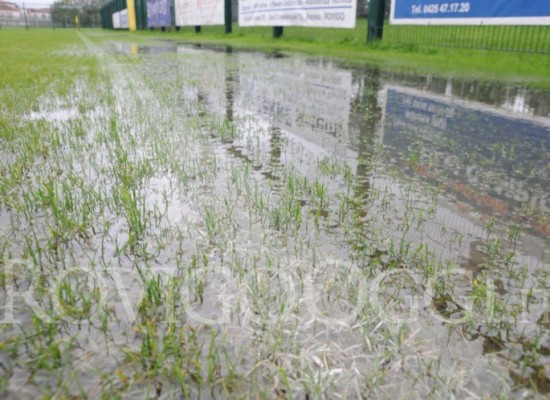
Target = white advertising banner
(199,12)
(124,19)
(116,20)
(319,13)
(309,100)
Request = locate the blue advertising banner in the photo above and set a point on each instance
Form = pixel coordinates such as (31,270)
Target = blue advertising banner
(159,13)
(471,12)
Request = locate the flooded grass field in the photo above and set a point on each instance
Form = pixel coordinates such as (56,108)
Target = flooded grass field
(189,222)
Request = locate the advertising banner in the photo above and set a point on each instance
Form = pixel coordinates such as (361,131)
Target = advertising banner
(158,13)
(124,19)
(471,12)
(317,13)
(116,20)
(199,12)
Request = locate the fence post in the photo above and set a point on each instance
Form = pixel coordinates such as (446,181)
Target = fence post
(228,17)
(277,32)
(375,27)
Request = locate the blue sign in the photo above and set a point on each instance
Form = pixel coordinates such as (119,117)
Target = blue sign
(471,12)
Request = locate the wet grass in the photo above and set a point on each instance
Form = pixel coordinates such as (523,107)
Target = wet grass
(159,237)
(24,76)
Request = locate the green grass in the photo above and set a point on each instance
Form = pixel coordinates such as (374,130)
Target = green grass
(407,48)
(35,61)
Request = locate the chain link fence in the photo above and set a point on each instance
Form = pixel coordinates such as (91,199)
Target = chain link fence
(42,15)
(525,39)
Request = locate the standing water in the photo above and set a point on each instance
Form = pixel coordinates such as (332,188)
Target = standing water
(240,224)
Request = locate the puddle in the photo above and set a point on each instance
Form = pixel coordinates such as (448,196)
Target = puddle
(61,115)
(291,226)
(484,146)
(466,161)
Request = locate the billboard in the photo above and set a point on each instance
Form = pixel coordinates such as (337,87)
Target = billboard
(199,12)
(315,13)
(470,12)
(159,13)
(116,20)
(203,74)
(123,19)
(120,19)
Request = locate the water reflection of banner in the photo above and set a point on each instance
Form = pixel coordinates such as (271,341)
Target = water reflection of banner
(158,13)
(492,160)
(199,12)
(321,13)
(203,74)
(473,12)
(308,99)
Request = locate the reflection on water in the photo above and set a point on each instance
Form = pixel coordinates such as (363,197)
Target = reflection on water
(530,102)
(465,161)
(493,162)
(485,146)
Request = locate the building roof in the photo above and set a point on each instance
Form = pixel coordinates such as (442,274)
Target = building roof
(40,10)
(8,6)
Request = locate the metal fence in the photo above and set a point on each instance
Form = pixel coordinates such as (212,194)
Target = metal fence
(528,39)
(41,15)
(15,15)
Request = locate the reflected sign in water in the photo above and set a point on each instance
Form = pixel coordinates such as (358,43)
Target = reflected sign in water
(205,79)
(309,99)
(492,160)
(159,13)
(487,160)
